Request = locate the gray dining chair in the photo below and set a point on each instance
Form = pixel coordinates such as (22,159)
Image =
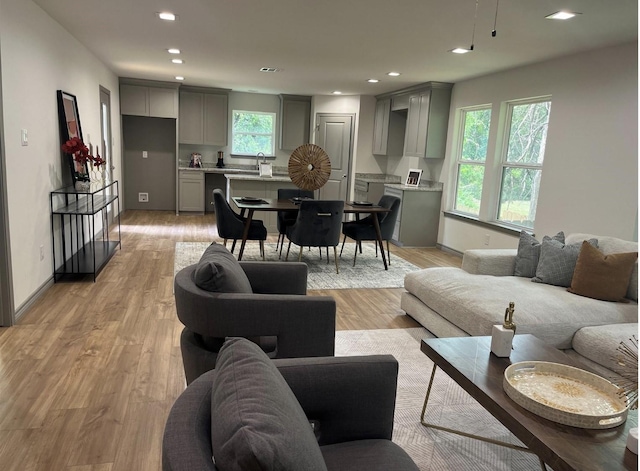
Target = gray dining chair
(231,225)
(365,230)
(288,218)
(317,225)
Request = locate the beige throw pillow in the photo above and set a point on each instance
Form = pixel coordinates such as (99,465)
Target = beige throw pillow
(600,276)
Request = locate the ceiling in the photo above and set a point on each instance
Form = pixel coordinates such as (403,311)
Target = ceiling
(325,45)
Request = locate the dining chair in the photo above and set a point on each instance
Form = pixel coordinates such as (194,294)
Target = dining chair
(287,218)
(231,225)
(317,225)
(365,230)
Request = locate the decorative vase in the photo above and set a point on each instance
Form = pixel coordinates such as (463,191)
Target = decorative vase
(82,185)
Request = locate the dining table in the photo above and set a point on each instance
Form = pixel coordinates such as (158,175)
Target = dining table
(248,206)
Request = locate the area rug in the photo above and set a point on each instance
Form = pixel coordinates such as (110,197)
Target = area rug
(449,405)
(369,271)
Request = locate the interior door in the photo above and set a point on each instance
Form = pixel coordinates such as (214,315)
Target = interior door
(105,132)
(334,133)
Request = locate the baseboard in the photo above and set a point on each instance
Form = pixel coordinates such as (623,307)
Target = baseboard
(444,248)
(32,299)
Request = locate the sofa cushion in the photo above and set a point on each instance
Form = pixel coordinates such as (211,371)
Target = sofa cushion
(602,276)
(600,343)
(474,303)
(218,270)
(529,254)
(256,421)
(558,262)
(609,245)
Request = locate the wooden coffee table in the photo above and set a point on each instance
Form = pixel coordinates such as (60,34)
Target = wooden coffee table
(470,363)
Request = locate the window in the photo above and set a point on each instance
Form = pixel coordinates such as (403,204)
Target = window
(253,132)
(471,160)
(522,160)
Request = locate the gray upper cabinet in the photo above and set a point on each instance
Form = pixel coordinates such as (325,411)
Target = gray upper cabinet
(143,100)
(388,129)
(203,117)
(295,120)
(427,121)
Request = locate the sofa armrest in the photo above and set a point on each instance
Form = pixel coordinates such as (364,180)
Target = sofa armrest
(348,398)
(186,444)
(276,277)
(496,262)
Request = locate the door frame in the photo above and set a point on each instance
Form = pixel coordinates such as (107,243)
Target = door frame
(7,314)
(316,130)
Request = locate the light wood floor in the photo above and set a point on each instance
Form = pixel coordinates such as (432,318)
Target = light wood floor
(89,373)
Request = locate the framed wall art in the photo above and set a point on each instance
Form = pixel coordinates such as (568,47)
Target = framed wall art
(413,177)
(69,120)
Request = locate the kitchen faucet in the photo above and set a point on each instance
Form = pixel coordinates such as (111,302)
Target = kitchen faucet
(264,159)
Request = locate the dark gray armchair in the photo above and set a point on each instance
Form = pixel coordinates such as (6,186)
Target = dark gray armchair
(349,400)
(274,312)
(365,230)
(317,225)
(288,218)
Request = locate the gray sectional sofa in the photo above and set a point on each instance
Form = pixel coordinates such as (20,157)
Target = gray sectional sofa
(465,301)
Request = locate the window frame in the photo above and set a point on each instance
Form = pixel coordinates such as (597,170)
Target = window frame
(459,157)
(273,133)
(504,164)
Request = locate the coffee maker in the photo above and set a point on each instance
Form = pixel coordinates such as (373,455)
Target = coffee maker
(220,163)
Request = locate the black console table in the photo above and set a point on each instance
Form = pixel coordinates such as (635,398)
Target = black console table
(83,248)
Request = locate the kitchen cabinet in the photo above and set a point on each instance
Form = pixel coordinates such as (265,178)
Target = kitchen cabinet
(418,218)
(203,117)
(427,121)
(191,190)
(295,120)
(152,101)
(388,130)
(368,191)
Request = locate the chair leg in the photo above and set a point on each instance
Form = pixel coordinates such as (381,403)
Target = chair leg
(327,249)
(224,242)
(355,254)
(319,252)
(281,245)
(300,254)
(288,247)
(335,257)
(342,248)
(278,241)
(376,244)
(360,245)
(233,246)
(262,249)
(388,254)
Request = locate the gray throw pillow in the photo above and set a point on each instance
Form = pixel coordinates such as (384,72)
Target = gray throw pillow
(256,421)
(218,270)
(558,262)
(529,254)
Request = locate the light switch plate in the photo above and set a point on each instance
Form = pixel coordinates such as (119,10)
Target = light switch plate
(24,137)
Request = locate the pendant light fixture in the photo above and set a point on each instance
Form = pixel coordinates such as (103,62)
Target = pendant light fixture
(494,32)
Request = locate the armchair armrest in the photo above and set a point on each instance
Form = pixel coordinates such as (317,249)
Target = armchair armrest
(276,277)
(350,398)
(496,262)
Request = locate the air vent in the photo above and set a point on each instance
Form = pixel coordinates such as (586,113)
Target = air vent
(269,69)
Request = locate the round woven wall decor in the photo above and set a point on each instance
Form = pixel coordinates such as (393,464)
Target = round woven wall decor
(309,167)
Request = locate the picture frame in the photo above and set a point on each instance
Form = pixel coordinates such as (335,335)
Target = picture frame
(413,177)
(69,122)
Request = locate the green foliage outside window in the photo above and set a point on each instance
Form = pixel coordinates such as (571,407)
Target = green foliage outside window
(473,156)
(253,132)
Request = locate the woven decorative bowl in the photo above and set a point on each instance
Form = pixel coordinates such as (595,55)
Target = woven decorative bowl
(565,394)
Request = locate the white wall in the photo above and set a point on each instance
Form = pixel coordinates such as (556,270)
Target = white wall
(39,57)
(590,175)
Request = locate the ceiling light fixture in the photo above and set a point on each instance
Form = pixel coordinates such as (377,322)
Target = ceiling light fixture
(167,16)
(459,50)
(269,69)
(373,80)
(173,50)
(462,50)
(393,74)
(179,77)
(337,92)
(494,32)
(177,61)
(562,15)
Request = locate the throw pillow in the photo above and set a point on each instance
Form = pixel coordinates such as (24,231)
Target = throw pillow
(218,270)
(557,262)
(256,421)
(600,276)
(529,253)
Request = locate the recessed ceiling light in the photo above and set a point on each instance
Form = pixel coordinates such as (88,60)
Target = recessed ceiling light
(179,77)
(337,92)
(177,61)
(373,80)
(393,74)
(562,15)
(173,51)
(165,15)
(460,50)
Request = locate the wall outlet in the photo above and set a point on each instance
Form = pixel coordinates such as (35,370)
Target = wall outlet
(487,239)
(145,154)
(41,252)
(143,197)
